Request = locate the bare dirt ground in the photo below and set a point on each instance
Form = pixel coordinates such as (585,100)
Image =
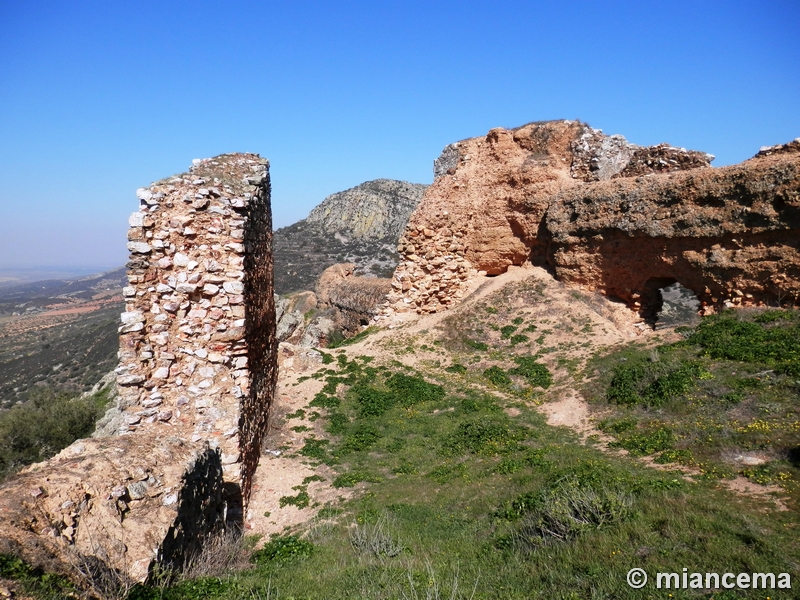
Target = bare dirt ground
(605,324)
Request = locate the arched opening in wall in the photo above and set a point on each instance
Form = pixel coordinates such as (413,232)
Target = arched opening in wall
(666,303)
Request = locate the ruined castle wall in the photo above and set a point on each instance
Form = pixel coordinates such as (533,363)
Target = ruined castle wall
(197,348)
(732,235)
(196,378)
(260,335)
(605,215)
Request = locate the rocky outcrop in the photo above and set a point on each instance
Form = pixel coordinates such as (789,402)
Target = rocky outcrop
(360,225)
(198,364)
(354,300)
(108,508)
(605,215)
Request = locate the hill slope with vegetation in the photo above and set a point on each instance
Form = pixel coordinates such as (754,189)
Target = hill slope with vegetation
(453,456)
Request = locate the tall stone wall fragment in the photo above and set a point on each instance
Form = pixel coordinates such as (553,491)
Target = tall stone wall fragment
(197,338)
(198,363)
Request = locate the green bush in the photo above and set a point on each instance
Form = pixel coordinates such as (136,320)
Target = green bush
(624,383)
(672,384)
(315,448)
(323,400)
(497,376)
(301,500)
(652,384)
(412,389)
(283,548)
(484,436)
(373,402)
(46,424)
(537,375)
(362,437)
(644,442)
(506,331)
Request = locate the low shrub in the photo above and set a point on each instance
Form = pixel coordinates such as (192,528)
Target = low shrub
(490,436)
(497,376)
(569,510)
(645,442)
(44,425)
(283,548)
(537,375)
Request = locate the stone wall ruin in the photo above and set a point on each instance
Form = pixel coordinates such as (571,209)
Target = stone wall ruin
(606,215)
(173,464)
(197,341)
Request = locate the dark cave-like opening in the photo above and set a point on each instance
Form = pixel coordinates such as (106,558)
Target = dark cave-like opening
(667,303)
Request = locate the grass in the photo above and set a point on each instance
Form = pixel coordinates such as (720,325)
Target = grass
(725,396)
(461,489)
(460,500)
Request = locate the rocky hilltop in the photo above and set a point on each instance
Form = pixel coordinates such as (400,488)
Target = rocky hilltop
(360,225)
(604,215)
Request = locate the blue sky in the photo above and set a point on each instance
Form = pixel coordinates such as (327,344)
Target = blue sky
(99,98)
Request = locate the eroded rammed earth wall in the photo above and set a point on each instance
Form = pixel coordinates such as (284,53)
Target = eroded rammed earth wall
(604,215)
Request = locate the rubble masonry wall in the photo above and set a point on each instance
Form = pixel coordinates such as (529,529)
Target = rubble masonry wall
(197,340)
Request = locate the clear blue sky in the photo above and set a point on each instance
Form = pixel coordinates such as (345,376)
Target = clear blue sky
(98,98)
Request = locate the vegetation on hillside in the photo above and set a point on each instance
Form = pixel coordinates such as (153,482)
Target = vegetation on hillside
(462,490)
(465,492)
(725,401)
(69,353)
(48,422)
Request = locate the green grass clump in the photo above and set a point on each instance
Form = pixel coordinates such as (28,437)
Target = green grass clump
(362,437)
(519,338)
(506,331)
(537,375)
(482,346)
(653,383)
(646,441)
(488,436)
(497,376)
(771,339)
(315,448)
(282,549)
(456,368)
(301,500)
(352,478)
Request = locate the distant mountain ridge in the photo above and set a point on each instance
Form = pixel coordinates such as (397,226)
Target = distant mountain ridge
(360,225)
(19,297)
